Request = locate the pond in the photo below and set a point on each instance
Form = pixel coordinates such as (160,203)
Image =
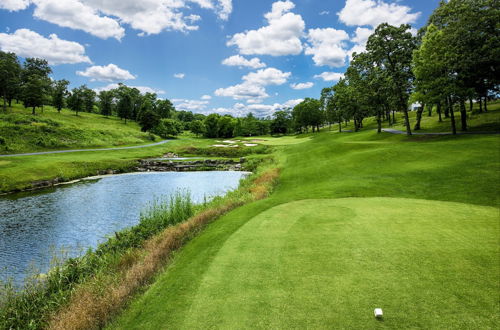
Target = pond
(35,226)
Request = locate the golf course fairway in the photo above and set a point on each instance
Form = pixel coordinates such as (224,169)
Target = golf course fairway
(357,222)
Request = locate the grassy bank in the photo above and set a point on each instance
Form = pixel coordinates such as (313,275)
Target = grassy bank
(358,221)
(22,132)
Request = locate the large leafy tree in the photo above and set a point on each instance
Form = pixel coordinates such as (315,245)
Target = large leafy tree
(10,71)
(75,100)
(391,49)
(106,102)
(35,82)
(308,114)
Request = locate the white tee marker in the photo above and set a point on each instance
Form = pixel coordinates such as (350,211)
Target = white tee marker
(378,313)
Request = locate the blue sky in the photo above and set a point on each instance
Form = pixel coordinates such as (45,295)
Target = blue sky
(225,56)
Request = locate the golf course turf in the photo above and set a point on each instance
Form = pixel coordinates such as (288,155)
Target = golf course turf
(358,221)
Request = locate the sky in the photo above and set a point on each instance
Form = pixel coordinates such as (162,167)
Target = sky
(224,56)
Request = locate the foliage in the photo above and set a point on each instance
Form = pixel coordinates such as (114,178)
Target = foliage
(168,128)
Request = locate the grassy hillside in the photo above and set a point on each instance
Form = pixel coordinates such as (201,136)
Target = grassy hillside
(358,221)
(22,132)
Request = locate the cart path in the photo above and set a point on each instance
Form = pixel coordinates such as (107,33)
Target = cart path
(396,131)
(80,150)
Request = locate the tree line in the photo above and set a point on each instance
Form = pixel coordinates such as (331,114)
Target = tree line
(453,59)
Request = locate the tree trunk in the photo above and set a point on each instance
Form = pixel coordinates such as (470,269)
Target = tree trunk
(430,110)
(452,116)
(463,115)
(447,111)
(4,101)
(480,105)
(10,103)
(470,104)
(33,111)
(356,128)
(379,122)
(439,111)
(486,104)
(407,119)
(419,117)
(393,117)
(340,125)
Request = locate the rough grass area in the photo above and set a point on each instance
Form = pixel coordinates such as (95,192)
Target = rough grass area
(358,221)
(22,132)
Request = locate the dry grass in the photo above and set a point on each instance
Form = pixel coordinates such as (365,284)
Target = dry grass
(92,305)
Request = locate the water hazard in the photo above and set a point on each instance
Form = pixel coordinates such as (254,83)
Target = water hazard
(34,226)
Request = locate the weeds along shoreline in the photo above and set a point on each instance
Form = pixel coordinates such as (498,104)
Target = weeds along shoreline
(86,292)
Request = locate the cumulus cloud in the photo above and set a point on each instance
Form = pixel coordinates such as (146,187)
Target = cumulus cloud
(102,18)
(179,75)
(330,76)
(360,38)
(280,37)
(27,43)
(252,87)
(327,46)
(14,5)
(110,72)
(300,86)
(190,105)
(371,12)
(142,89)
(76,15)
(206,97)
(259,110)
(238,60)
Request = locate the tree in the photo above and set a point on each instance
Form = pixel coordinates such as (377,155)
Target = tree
(391,49)
(308,113)
(35,82)
(165,108)
(125,102)
(225,126)
(281,123)
(197,127)
(59,92)
(211,128)
(75,100)
(147,117)
(168,128)
(89,96)
(10,71)
(106,102)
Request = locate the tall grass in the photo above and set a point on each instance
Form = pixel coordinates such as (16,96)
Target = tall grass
(31,306)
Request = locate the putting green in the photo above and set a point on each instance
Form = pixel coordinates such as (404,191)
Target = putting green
(329,263)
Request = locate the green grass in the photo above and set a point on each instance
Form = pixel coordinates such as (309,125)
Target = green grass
(358,221)
(22,132)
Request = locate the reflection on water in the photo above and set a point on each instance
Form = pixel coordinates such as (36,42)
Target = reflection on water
(76,217)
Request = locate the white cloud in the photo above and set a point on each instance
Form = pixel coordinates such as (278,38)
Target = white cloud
(102,18)
(238,60)
(206,97)
(259,110)
(371,12)
(142,89)
(110,72)
(324,12)
(190,105)
(179,75)
(27,43)
(330,76)
(243,91)
(76,15)
(14,5)
(327,46)
(300,86)
(280,37)
(269,76)
(360,38)
(252,87)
